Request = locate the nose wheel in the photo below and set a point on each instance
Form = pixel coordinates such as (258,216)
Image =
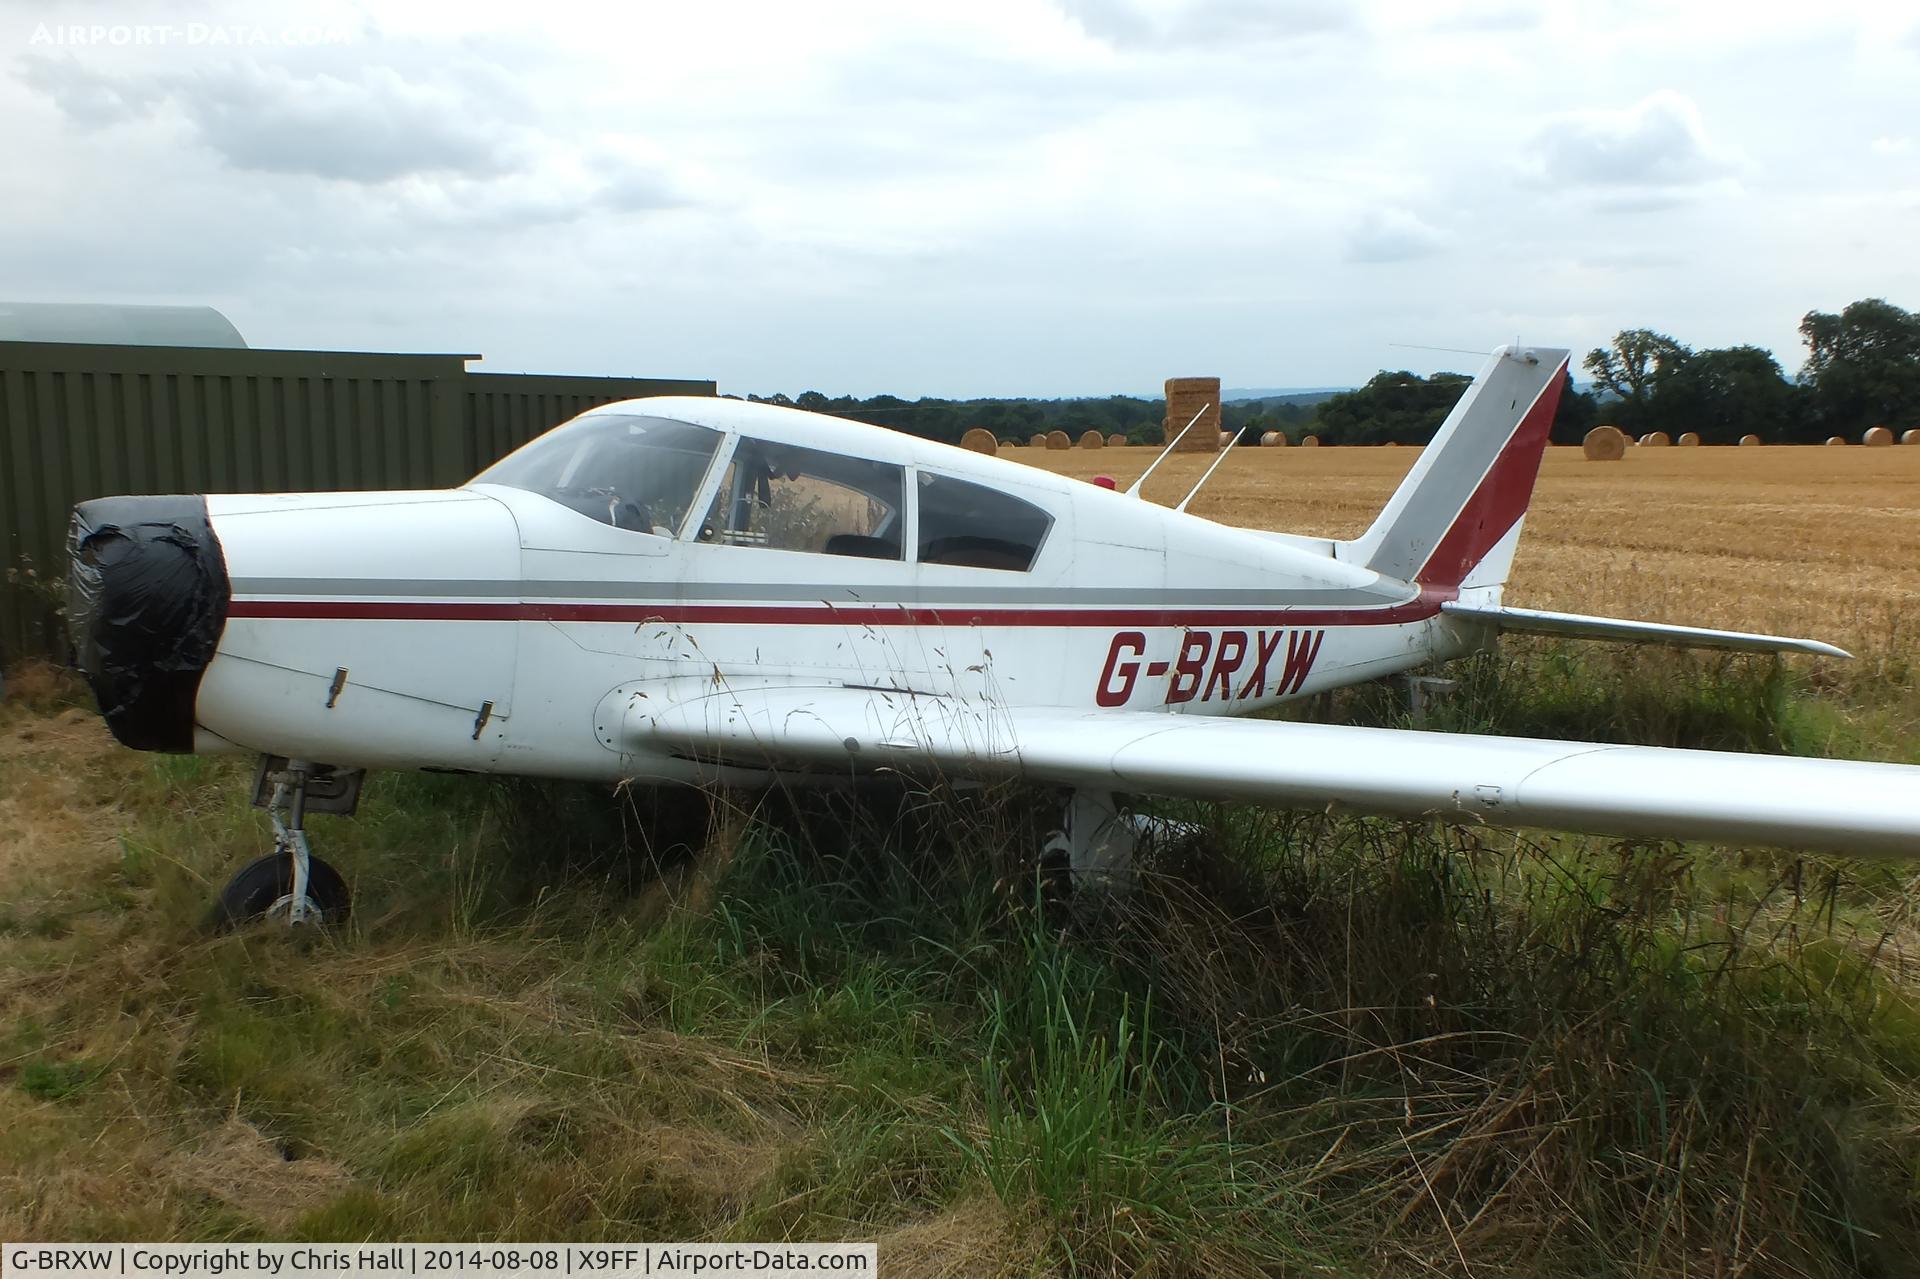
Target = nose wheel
(264,890)
(290,885)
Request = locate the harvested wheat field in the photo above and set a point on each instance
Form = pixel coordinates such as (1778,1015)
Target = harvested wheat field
(1811,541)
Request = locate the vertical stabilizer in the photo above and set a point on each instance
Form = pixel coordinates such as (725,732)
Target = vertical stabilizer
(1455,520)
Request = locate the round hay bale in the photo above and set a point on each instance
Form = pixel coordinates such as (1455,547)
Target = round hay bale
(1836,439)
(1656,439)
(1879,437)
(980,440)
(1058,440)
(1273,440)
(1092,440)
(1749,441)
(1226,439)
(1039,440)
(1311,442)
(1910,436)
(1604,444)
(1116,441)
(1690,440)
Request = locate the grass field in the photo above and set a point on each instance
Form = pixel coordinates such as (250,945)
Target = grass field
(1307,1045)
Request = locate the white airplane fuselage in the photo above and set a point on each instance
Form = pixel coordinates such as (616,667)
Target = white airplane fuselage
(705,590)
(494,629)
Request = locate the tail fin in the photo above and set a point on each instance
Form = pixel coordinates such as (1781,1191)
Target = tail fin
(1455,520)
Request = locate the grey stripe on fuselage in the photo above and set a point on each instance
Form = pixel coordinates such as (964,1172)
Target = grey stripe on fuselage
(728,592)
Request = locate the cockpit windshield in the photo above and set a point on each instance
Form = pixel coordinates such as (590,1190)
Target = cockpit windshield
(632,472)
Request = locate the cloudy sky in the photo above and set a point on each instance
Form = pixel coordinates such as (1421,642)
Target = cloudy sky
(1037,197)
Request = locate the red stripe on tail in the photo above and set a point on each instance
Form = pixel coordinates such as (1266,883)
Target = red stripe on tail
(1501,497)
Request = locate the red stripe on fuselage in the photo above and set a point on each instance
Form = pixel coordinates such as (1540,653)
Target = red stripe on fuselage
(1501,497)
(1426,606)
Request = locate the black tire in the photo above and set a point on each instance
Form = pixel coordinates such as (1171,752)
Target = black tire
(265,880)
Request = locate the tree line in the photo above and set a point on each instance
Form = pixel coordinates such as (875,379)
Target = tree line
(1862,370)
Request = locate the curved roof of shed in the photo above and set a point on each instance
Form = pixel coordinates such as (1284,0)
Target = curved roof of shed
(116,324)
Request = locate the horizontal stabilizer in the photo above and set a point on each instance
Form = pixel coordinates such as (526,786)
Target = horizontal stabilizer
(1528,621)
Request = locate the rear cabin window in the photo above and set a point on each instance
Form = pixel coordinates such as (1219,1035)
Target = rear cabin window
(795,499)
(974,526)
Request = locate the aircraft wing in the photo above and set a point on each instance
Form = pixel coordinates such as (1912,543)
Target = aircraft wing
(1781,801)
(1534,621)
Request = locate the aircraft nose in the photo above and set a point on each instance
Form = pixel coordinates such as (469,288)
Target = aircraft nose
(147,597)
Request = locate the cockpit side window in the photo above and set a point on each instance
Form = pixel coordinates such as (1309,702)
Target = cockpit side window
(974,526)
(627,470)
(796,499)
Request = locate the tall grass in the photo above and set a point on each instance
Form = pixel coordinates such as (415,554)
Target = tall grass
(1648,696)
(1305,1044)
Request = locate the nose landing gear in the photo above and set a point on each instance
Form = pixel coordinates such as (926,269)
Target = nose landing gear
(290,884)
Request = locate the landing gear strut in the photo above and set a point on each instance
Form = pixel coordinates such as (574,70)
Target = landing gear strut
(1098,841)
(1095,842)
(290,883)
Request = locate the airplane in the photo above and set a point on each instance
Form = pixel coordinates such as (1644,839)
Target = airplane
(710,591)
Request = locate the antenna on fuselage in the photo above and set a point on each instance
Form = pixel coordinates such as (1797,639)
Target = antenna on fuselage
(1209,472)
(1133,490)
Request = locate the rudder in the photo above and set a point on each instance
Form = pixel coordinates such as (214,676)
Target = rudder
(1454,521)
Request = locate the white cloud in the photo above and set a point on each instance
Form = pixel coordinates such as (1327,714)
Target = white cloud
(1645,156)
(1222,24)
(1502,16)
(373,127)
(1392,235)
(1021,196)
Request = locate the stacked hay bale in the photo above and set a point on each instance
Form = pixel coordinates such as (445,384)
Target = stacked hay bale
(1878,437)
(980,440)
(1092,440)
(1273,440)
(1690,440)
(1059,440)
(1656,439)
(1116,441)
(1604,444)
(1039,440)
(1749,441)
(1187,396)
(1311,442)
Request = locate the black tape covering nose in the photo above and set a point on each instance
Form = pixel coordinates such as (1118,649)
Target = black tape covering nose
(147,597)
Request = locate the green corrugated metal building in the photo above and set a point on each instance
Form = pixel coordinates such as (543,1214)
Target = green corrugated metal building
(88,418)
